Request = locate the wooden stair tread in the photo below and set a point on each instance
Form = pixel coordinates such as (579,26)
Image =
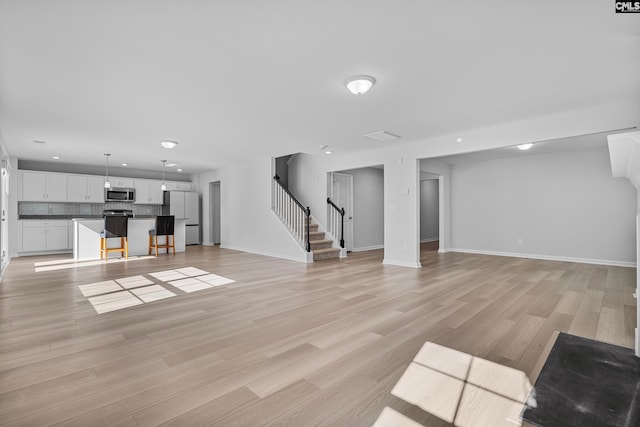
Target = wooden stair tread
(326,250)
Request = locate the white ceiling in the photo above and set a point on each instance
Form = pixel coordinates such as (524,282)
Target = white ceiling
(231,79)
(596,141)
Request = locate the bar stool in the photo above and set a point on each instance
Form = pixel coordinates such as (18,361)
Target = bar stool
(114,226)
(164,227)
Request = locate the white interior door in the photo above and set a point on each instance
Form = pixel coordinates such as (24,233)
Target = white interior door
(342,195)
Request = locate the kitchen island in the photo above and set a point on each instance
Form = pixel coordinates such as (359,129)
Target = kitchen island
(86,237)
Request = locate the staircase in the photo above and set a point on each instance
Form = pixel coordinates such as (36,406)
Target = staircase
(321,247)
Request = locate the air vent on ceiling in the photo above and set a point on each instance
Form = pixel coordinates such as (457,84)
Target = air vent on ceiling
(383,135)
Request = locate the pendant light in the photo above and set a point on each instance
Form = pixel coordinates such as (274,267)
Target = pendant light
(107,184)
(163,187)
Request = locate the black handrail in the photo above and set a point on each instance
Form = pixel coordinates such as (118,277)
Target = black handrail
(307,210)
(341,212)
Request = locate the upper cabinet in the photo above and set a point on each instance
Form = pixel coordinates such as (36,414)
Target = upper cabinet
(178,186)
(119,182)
(43,186)
(87,189)
(59,187)
(148,192)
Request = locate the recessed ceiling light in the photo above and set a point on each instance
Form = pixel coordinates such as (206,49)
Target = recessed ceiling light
(524,147)
(56,157)
(170,165)
(168,144)
(383,135)
(328,152)
(359,85)
(179,170)
(459,140)
(125,164)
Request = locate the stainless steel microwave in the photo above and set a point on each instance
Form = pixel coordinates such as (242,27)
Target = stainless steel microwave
(119,195)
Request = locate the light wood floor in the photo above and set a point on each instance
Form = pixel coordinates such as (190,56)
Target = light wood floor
(288,343)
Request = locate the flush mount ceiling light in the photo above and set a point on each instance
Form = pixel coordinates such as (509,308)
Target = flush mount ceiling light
(107,184)
(170,165)
(168,144)
(459,140)
(359,85)
(525,147)
(56,157)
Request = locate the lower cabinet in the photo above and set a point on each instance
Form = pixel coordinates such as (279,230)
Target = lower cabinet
(41,236)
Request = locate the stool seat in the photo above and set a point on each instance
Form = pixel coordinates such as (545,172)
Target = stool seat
(165,225)
(114,227)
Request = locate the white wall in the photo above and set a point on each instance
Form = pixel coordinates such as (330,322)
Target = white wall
(558,205)
(368,208)
(308,172)
(247,221)
(429,210)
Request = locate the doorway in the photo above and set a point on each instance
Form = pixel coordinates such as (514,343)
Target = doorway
(214,212)
(4,216)
(342,195)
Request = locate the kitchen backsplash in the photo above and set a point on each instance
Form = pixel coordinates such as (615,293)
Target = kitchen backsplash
(80,210)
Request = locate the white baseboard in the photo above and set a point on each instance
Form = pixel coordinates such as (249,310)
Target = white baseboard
(430,239)
(401,263)
(304,258)
(546,257)
(208,244)
(367,248)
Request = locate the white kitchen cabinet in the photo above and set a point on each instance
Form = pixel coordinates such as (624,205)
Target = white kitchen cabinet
(43,186)
(148,192)
(178,186)
(119,182)
(84,188)
(41,235)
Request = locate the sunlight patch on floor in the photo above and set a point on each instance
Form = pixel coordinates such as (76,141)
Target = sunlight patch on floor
(69,263)
(461,389)
(111,295)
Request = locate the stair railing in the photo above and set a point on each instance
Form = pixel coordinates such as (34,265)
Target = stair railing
(295,216)
(336,221)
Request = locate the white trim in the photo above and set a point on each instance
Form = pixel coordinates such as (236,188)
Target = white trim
(430,239)
(368,248)
(304,259)
(207,244)
(547,257)
(401,263)
(54,252)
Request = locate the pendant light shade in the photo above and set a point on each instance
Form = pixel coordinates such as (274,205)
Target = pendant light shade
(107,184)
(163,187)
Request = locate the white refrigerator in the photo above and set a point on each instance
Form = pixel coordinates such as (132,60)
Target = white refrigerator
(185,204)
